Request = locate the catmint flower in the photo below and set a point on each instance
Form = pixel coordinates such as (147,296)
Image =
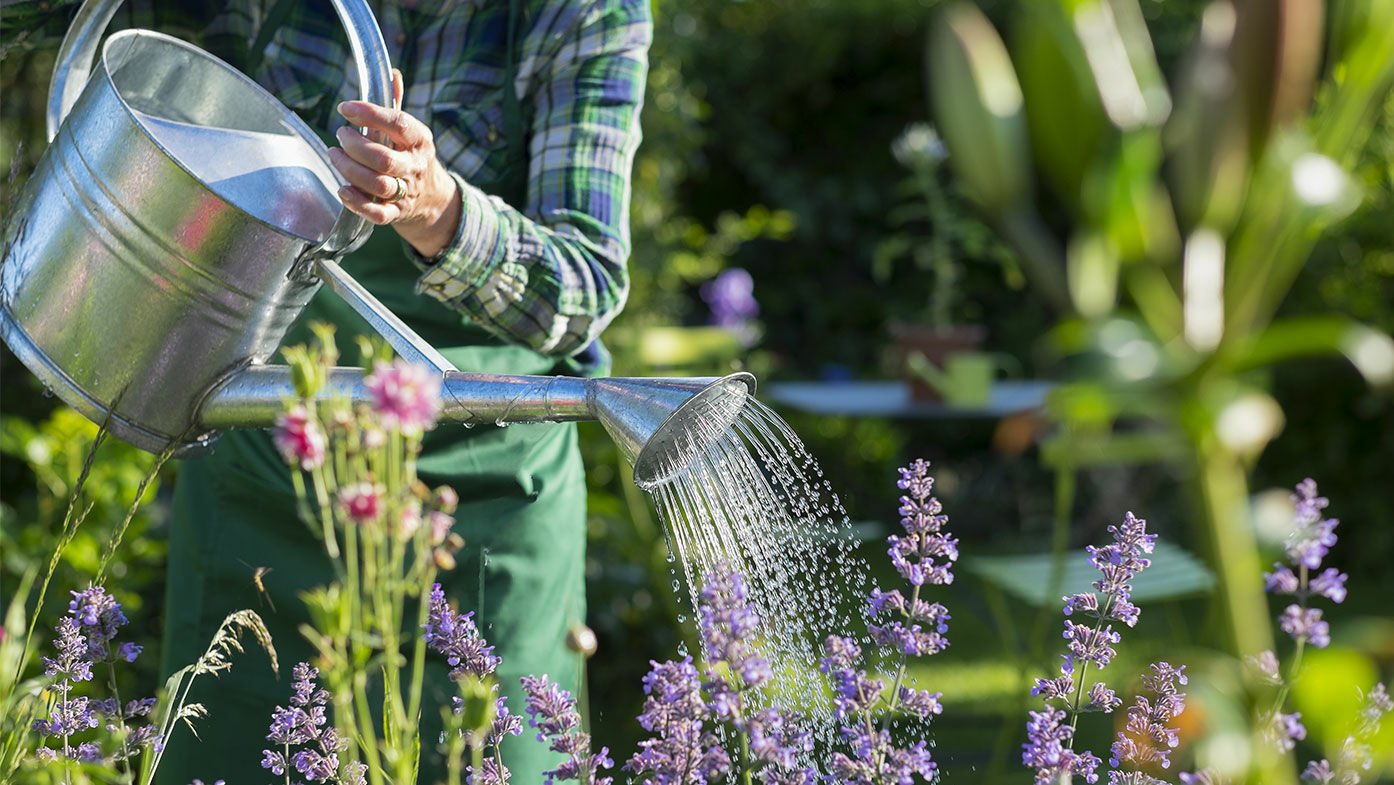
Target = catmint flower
(361,502)
(854,693)
(920,703)
(491,772)
(71,662)
(1265,664)
(69,716)
(776,738)
(1045,750)
(726,620)
(1285,730)
(1313,536)
(304,724)
(1331,584)
(1377,704)
(926,554)
(100,619)
(877,760)
(299,438)
(1305,624)
(405,395)
(681,751)
(1060,687)
(456,636)
(1088,644)
(1101,698)
(1147,740)
(1203,777)
(1318,772)
(552,711)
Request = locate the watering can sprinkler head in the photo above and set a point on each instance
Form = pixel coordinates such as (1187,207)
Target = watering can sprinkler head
(662,424)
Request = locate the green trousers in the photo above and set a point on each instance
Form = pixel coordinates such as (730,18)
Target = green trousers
(521,513)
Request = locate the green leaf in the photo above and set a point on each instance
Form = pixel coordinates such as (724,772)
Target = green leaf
(1067,122)
(1173,574)
(1368,349)
(978,108)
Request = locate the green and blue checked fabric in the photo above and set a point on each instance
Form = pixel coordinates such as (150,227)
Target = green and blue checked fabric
(544,267)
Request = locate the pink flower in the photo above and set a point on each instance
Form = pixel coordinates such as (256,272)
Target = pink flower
(405,395)
(362,501)
(299,438)
(409,520)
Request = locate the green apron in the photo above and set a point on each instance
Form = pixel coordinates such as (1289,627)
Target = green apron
(522,515)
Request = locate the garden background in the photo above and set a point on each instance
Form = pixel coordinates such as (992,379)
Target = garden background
(769,129)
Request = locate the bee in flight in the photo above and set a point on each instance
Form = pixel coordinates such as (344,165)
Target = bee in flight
(257,574)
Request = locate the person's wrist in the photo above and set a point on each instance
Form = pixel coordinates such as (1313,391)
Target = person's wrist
(430,233)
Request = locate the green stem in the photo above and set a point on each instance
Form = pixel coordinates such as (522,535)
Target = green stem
(120,720)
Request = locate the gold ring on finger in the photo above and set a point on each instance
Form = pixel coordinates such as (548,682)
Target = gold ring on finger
(401,191)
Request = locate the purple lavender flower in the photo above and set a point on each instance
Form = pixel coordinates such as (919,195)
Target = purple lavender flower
(731,298)
(552,711)
(726,621)
(1147,740)
(69,716)
(1305,624)
(304,724)
(682,751)
(1318,772)
(71,662)
(1047,752)
(1089,644)
(456,636)
(1313,536)
(1103,699)
(876,760)
(1356,756)
(1050,746)
(1285,730)
(926,554)
(99,616)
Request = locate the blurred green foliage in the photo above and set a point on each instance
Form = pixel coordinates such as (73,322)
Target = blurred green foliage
(768,146)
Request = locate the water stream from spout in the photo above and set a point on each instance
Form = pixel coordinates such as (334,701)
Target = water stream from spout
(750,495)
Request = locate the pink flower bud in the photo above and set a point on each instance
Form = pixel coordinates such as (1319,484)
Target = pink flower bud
(299,439)
(404,395)
(361,502)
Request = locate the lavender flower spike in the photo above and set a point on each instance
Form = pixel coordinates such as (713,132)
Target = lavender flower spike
(552,711)
(682,751)
(1147,740)
(1046,750)
(926,554)
(456,636)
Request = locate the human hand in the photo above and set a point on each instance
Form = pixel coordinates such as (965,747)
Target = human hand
(400,183)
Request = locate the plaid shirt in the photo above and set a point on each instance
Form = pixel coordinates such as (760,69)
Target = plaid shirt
(548,273)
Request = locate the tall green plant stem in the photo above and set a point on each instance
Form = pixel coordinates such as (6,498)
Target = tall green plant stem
(1224,496)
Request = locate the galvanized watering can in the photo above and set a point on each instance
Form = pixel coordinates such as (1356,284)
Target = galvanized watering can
(182,218)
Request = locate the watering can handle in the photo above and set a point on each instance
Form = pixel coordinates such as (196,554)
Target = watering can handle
(79,49)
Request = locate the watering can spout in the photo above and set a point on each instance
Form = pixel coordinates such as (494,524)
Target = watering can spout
(659,423)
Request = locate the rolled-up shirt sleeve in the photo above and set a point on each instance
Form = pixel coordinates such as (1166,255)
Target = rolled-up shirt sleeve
(552,275)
